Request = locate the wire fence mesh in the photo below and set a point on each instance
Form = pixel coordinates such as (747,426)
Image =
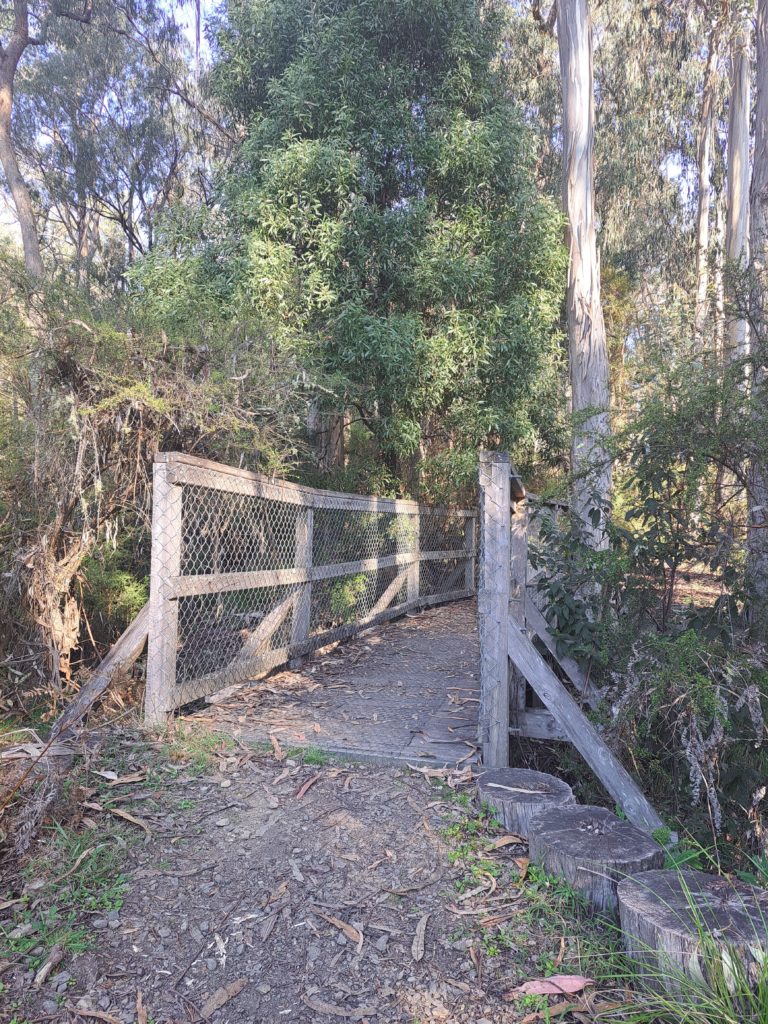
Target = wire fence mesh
(248,573)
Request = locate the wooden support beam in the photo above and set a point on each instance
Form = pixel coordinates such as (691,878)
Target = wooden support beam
(121,656)
(536,622)
(302,611)
(493,608)
(580,731)
(163,609)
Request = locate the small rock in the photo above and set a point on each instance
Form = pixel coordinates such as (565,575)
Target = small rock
(381,943)
(60,979)
(49,1006)
(264,989)
(84,1003)
(225,783)
(210,963)
(222,822)
(99,924)
(104,1003)
(22,931)
(164,932)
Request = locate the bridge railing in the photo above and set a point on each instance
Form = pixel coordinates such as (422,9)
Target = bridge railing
(249,573)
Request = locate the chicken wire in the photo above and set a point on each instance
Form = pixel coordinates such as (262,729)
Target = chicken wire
(248,573)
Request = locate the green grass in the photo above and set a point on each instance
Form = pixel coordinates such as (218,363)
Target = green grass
(195,748)
(97,886)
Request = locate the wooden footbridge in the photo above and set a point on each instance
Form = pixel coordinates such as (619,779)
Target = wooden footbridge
(251,575)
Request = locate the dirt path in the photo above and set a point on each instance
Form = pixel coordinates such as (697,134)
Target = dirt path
(272,890)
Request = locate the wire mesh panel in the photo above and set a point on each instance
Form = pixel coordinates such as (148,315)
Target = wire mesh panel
(248,573)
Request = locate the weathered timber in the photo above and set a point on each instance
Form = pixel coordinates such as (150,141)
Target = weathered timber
(189,586)
(493,608)
(518,795)
(121,656)
(536,622)
(684,927)
(189,469)
(163,632)
(580,731)
(593,850)
(537,724)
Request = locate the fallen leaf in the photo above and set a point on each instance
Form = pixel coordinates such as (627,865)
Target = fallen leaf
(281,777)
(502,841)
(561,953)
(221,996)
(558,985)
(127,816)
(122,780)
(95,1014)
(320,1006)
(141,1010)
(352,933)
(522,865)
(278,750)
(418,945)
(269,926)
(307,785)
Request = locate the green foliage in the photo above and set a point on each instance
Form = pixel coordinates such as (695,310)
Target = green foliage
(385,225)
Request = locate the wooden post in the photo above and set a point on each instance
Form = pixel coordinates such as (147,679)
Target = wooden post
(414,569)
(305,523)
(493,607)
(518,572)
(469,544)
(163,608)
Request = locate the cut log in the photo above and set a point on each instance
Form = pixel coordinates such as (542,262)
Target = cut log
(593,850)
(687,929)
(517,795)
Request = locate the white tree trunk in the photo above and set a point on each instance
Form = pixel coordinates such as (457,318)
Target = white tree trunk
(757,490)
(737,187)
(705,187)
(586,328)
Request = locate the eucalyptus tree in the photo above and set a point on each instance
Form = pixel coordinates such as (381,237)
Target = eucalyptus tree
(737,197)
(588,353)
(757,489)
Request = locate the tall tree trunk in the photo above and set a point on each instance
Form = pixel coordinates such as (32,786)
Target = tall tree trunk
(704,159)
(757,489)
(737,185)
(587,346)
(14,179)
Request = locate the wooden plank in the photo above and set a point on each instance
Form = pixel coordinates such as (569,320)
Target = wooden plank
(189,586)
(580,731)
(518,569)
(121,655)
(390,593)
(470,529)
(194,471)
(536,621)
(537,724)
(493,608)
(414,573)
(266,629)
(163,610)
(303,608)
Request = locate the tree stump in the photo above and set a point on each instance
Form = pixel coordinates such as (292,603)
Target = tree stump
(687,926)
(517,795)
(593,850)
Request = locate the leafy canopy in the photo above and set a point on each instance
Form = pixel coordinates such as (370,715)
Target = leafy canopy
(382,225)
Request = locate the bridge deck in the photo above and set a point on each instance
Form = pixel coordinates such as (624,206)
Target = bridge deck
(405,691)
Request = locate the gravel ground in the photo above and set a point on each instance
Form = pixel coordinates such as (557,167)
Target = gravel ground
(265,889)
